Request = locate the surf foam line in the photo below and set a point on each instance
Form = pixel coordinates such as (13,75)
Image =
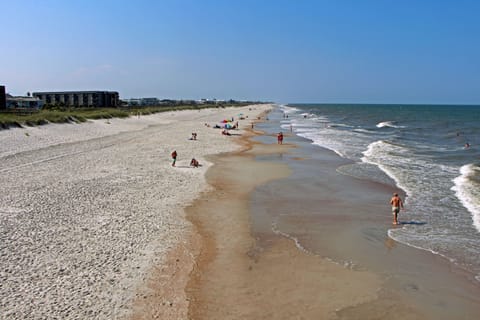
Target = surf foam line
(453,261)
(370,150)
(346,264)
(467,192)
(390,124)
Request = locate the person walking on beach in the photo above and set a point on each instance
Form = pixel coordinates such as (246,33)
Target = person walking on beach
(280,138)
(396,203)
(174,157)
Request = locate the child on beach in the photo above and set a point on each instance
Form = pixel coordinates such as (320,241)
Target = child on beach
(174,157)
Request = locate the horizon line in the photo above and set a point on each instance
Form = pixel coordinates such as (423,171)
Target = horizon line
(386,103)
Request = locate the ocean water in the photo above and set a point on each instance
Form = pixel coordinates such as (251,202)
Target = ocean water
(432,152)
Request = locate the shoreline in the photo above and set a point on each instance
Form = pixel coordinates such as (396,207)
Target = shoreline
(96,223)
(265,275)
(350,218)
(91,210)
(166,295)
(276,281)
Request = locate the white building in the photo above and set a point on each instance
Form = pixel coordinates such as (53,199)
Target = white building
(32,103)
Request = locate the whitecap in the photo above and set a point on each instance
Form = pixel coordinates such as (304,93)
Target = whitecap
(467,190)
(288,109)
(388,124)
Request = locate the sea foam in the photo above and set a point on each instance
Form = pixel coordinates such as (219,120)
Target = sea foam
(467,190)
(390,124)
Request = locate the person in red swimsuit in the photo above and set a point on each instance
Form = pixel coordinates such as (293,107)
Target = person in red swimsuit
(280,138)
(174,157)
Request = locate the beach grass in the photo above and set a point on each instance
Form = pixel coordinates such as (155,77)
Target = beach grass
(65,115)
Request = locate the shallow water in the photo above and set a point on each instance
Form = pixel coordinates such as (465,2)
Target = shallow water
(418,149)
(336,205)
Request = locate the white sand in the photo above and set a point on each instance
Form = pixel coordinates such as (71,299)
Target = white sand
(87,209)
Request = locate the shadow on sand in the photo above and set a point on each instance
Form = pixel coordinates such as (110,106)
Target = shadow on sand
(418,223)
(187,167)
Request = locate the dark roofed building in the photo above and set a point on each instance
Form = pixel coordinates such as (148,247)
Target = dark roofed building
(23,103)
(94,99)
(3,98)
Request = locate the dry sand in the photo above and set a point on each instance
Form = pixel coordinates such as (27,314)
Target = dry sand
(91,215)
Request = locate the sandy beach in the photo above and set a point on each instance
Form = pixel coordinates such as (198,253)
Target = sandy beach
(240,160)
(287,236)
(241,276)
(91,213)
(97,224)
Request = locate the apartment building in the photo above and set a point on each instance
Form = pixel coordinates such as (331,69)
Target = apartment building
(94,99)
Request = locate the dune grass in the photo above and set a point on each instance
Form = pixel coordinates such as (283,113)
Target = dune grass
(42,117)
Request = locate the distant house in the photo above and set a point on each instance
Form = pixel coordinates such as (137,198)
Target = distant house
(133,102)
(167,102)
(208,101)
(142,102)
(94,99)
(30,103)
(150,102)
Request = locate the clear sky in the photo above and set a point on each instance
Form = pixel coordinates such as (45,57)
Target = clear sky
(365,51)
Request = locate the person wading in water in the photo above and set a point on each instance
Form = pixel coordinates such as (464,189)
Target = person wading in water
(396,203)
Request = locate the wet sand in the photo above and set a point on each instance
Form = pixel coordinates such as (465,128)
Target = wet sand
(346,220)
(236,279)
(257,260)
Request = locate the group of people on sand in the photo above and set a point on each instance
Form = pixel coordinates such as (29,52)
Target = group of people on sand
(193,163)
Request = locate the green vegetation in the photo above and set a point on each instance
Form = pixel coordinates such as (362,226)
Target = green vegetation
(61,114)
(57,116)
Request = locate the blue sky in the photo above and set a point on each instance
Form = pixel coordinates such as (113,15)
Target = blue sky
(382,51)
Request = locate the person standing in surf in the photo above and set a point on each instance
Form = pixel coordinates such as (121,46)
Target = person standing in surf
(396,203)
